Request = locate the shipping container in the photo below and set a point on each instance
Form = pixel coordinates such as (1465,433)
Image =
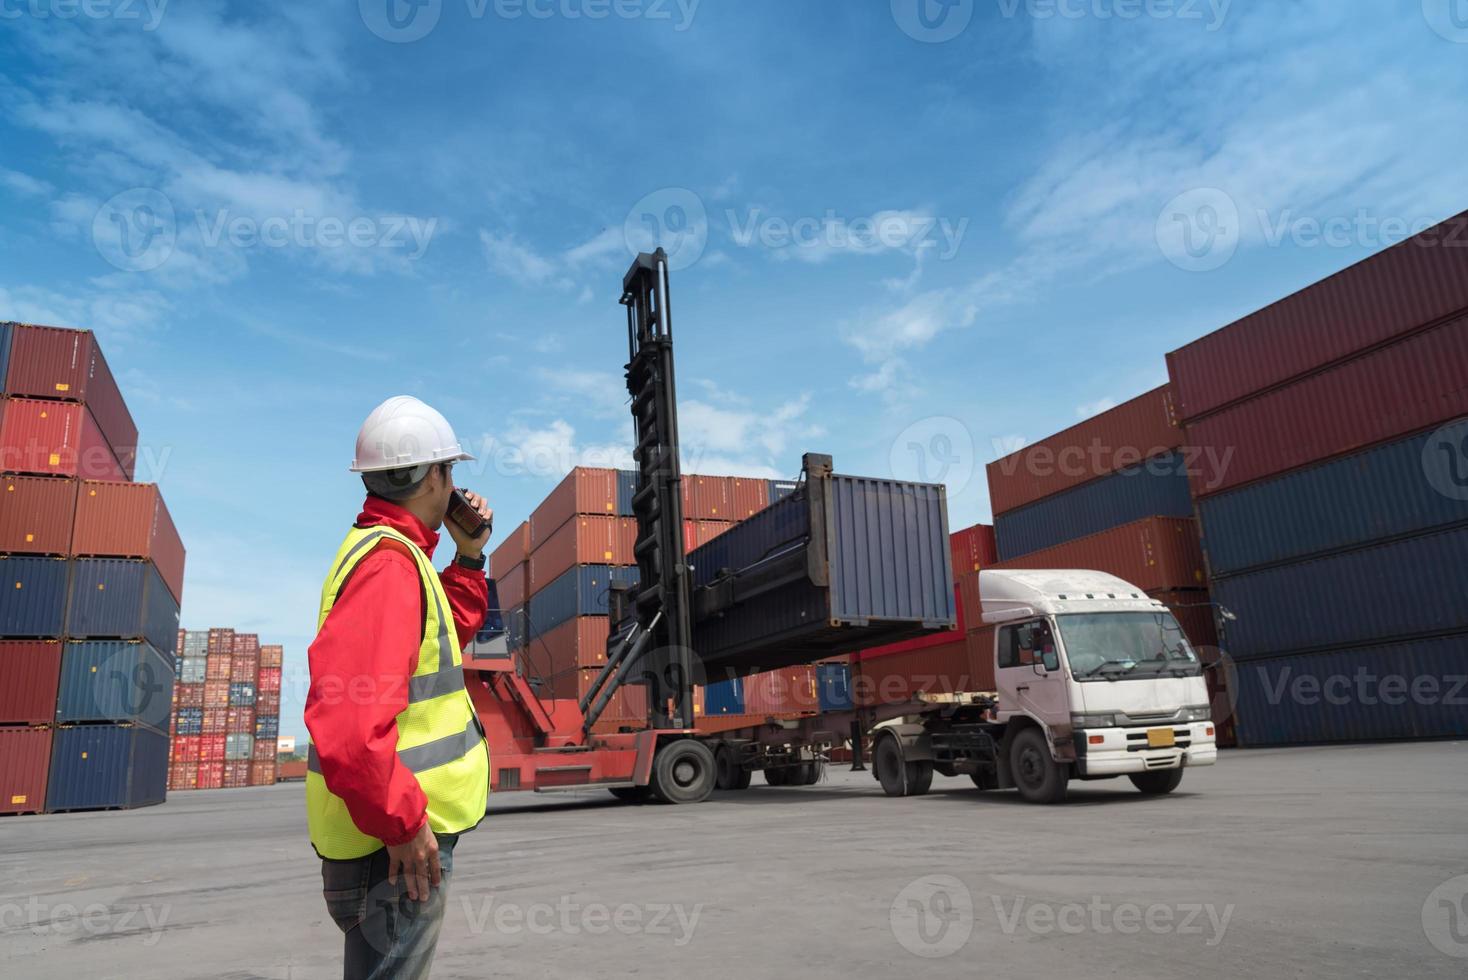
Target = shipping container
(53,362)
(780,489)
(833,682)
(936,638)
(1152,554)
(239,719)
(787,691)
(696,534)
(1413,385)
(97,767)
(211,747)
(264,750)
(236,774)
(186,748)
(192,671)
(189,695)
(1157,488)
(884,560)
(582,541)
(583,491)
(114,681)
(25,760)
(218,667)
(1194,611)
(36,514)
(724,697)
(129,520)
(579,642)
(262,773)
(221,641)
(626,487)
(29,672)
(269,679)
(945,668)
(188,721)
(628,703)
(244,668)
(216,692)
(581,591)
(267,726)
(267,702)
(238,745)
(35,596)
(195,644)
(511,551)
(972,548)
(1397,590)
(1413,689)
(747,497)
(271,655)
(1417,282)
(1373,495)
(55,439)
(211,775)
(241,695)
(706,498)
(121,598)
(511,585)
(1116,439)
(216,721)
(6,333)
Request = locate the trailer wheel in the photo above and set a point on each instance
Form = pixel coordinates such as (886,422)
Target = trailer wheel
(813,771)
(777,777)
(729,774)
(1037,776)
(1157,782)
(900,778)
(920,777)
(683,772)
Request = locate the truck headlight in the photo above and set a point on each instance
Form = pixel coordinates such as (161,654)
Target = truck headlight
(1093,721)
(1197,712)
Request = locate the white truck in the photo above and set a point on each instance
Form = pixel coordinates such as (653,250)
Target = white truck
(1094,680)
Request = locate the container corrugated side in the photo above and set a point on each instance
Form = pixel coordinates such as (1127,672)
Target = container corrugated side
(55,439)
(6,333)
(724,697)
(585,490)
(29,670)
(1396,489)
(36,514)
(747,497)
(780,489)
(1157,488)
(96,767)
(35,596)
(1115,439)
(1417,282)
(789,690)
(1401,589)
(582,540)
(706,498)
(628,703)
(1404,690)
(579,642)
(114,681)
(626,487)
(121,598)
(1412,385)
(834,685)
(891,559)
(972,549)
(511,551)
(580,591)
(945,668)
(1152,554)
(129,520)
(25,761)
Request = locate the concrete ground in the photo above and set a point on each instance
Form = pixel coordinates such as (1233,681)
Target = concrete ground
(1287,863)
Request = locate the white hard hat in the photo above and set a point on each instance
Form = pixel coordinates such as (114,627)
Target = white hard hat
(404,432)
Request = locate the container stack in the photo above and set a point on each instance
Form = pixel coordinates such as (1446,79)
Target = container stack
(1338,533)
(226,711)
(92,569)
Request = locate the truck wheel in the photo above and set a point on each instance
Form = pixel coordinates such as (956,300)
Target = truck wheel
(726,768)
(1157,782)
(919,777)
(987,779)
(813,771)
(1037,776)
(683,772)
(900,778)
(777,777)
(630,794)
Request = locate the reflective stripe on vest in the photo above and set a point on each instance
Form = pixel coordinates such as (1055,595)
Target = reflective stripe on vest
(430,755)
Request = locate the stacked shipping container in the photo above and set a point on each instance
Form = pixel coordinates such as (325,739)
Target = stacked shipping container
(226,712)
(1338,534)
(92,569)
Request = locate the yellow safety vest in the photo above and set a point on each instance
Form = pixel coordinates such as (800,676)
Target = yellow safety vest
(440,739)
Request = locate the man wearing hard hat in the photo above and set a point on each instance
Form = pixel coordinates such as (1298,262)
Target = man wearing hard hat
(398,766)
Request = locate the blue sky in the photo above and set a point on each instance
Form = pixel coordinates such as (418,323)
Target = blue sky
(910,238)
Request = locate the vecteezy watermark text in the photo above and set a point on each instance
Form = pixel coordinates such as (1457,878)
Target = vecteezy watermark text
(1207,464)
(86,919)
(404,21)
(150,12)
(572,918)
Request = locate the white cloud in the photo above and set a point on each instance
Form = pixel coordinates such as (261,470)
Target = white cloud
(1086,410)
(513,260)
(23,184)
(605,243)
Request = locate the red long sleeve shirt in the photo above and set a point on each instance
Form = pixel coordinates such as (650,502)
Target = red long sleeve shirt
(360,663)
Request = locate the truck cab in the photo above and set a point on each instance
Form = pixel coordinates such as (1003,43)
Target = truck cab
(1095,679)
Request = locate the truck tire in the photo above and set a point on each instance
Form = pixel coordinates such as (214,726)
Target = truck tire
(683,772)
(1157,782)
(900,778)
(987,779)
(777,777)
(1037,776)
(813,771)
(727,769)
(919,777)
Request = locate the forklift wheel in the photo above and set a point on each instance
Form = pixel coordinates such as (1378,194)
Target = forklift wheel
(683,772)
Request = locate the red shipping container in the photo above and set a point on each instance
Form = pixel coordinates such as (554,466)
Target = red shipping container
(186,748)
(36,514)
(1417,282)
(216,693)
(240,721)
(1152,554)
(211,747)
(973,548)
(262,773)
(53,362)
(706,498)
(189,695)
(215,721)
(244,669)
(965,598)
(582,541)
(511,551)
(579,642)
(271,655)
(699,533)
(628,703)
(1123,436)
(211,775)
(221,641)
(263,751)
(30,671)
(511,585)
(217,667)
(746,497)
(1410,386)
(25,759)
(583,491)
(945,668)
(129,520)
(790,690)
(267,703)
(247,644)
(55,439)
(183,776)
(236,774)
(269,679)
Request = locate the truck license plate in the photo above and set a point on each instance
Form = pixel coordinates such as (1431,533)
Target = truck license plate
(1160,738)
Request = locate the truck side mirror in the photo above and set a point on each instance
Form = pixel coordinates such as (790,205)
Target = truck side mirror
(1051,659)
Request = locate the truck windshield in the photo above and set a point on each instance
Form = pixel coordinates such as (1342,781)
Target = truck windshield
(1105,645)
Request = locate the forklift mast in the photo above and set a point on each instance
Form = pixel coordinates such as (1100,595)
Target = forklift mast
(657,649)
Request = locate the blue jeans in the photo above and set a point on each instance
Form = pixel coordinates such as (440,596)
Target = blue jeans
(388,934)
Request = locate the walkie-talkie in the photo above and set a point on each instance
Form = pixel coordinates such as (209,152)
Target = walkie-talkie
(466,516)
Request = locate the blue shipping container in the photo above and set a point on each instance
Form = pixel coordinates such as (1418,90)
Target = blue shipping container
(1415,689)
(1402,589)
(1397,489)
(119,598)
(581,591)
(724,698)
(95,767)
(626,487)
(780,489)
(241,695)
(5,335)
(35,596)
(114,681)
(190,721)
(834,684)
(267,726)
(1156,488)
